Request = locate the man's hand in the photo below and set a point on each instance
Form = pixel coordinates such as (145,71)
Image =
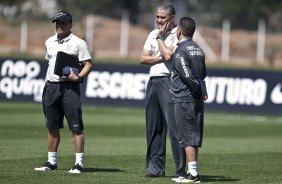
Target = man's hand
(163,29)
(72,77)
(204,98)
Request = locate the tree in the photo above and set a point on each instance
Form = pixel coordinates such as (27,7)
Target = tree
(246,14)
(109,8)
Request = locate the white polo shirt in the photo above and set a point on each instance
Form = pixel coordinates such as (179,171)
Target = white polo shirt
(160,69)
(70,45)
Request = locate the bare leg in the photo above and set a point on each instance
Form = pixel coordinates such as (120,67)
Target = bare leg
(78,141)
(192,156)
(53,140)
(191,153)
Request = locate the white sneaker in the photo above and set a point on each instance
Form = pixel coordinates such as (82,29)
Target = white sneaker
(188,179)
(46,167)
(77,169)
(176,178)
(181,179)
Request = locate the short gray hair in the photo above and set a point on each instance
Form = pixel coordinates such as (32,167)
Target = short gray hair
(167,6)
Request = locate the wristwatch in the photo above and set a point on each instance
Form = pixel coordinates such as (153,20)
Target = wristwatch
(80,79)
(160,37)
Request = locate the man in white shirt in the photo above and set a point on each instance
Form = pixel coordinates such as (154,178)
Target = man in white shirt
(157,53)
(61,94)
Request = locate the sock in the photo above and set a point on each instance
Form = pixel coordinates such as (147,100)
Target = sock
(79,159)
(192,168)
(52,158)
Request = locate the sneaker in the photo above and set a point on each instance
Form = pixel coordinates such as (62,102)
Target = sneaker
(46,167)
(188,179)
(76,169)
(176,178)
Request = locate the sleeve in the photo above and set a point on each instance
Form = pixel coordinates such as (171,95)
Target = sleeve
(202,68)
(83,53)
(148,42)
(46,52)
(202,76)
(203,88)
(175,41)
(181,64)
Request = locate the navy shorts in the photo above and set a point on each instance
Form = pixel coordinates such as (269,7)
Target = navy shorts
(190,124)
(62,99)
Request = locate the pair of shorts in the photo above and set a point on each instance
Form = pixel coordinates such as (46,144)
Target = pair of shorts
(62,99)
(190,124)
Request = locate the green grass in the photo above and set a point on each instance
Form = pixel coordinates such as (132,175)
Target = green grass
(236,148)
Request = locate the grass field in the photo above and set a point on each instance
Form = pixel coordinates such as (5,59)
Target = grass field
(236,148)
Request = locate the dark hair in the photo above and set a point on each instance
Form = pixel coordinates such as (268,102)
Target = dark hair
(188,26)
(167,6)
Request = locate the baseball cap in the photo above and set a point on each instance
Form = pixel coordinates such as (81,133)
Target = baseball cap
(63,16)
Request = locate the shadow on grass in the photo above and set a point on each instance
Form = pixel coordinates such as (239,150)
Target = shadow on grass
(89,169)
(218,179)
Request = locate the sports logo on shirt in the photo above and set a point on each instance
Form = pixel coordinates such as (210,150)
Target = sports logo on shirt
(194,51)
(69,47)
(184,67)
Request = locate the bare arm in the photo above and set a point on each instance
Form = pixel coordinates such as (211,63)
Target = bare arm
(87,67)
(166,52)
(148,59)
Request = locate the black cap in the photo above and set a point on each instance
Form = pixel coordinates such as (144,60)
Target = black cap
(63,16)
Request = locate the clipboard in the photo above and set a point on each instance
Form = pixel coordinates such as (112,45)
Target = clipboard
(66,60)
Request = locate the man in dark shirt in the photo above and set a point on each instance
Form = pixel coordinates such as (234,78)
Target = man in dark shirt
(189,92)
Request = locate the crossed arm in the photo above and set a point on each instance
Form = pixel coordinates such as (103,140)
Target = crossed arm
(165,51)
(196,86)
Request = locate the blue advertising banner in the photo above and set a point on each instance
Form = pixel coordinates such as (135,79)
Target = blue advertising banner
(112,84)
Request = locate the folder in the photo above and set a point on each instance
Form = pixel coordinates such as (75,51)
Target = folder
(64,60)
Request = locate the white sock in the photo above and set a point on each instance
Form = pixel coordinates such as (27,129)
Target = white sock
(79,159)
(192,168)
(52,158)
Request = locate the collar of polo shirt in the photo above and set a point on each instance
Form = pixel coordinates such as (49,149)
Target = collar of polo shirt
(65,39)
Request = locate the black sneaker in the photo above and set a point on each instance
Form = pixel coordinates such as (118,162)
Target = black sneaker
(77,169)
(194,179)
(188,179)
(46,167)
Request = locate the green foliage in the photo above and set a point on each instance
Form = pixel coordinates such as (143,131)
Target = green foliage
(22,56)
(106,7)
(242,13)
(12,2)
(246,14)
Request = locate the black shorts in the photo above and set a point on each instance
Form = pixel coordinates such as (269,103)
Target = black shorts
(189,120)
(59,100)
